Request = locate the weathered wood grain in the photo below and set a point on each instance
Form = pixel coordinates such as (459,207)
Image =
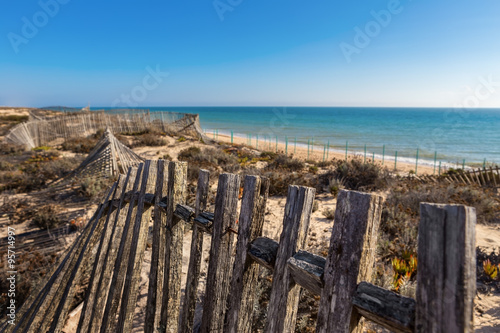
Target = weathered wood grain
(283,303)
(263,251)
(307,270)
(96,275)
(108,323)
(221,251)
(446,279)
(193,275)
(155,287)
(242,294)
(136,257)
(391,310)
(177,187)
(350,260)
(120,217)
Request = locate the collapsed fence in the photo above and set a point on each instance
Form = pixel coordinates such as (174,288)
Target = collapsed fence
(115,239)
(39,132)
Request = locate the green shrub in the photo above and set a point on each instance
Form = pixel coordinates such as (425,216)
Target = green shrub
(357,175)
(94,187)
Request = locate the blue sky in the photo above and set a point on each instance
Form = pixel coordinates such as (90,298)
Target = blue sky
(242,52)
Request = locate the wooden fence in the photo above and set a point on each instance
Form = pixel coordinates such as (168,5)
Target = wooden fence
(39,132)
(113,244)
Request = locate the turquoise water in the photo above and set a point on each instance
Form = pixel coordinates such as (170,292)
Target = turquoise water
(455,134)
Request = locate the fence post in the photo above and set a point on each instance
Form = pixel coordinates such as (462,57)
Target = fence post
(295,146)
(177,185)
(245,272)
(286,145)
(192,279)
(276,143)
(324,152)
(256,141)
(155,287)
(231,136)
(383,154)
(283,303)
(463,164)
(350,260)
(416,163)
(346,146)
(221,252)
(364,161)
(435,159)
(439,168)
(446,279)
(327,149)
(395,160)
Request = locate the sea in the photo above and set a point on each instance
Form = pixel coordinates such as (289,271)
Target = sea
(454,137)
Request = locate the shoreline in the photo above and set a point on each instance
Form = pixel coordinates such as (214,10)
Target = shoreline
(316,154)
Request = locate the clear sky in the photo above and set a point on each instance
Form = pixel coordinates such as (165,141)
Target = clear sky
(250,52)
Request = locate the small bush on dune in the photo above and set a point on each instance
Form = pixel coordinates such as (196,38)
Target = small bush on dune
(208,158)
(286,163)
(94,187)
(357,175)
(46,217)
(11,149)
(150,139)
(80,145)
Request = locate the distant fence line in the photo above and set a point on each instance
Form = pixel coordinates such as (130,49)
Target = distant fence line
(273,143)
(38,132)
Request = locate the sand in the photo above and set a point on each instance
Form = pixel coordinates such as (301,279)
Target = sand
(316,154)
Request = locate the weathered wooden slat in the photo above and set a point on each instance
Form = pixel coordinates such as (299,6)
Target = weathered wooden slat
(481,174)
(221,251)
(108,323)
(263,251)
(120,217)
(493,176)
(283,303)
(391,310)
(245,275)
(33,317)
(193,275)
(58,303)
(65,303)
(446,279)
(177,185)
(136,257)
(307,270)
(350,260)
(155,287)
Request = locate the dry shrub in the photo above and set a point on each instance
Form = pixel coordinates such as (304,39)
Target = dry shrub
(46,217)
(94,187)
(150,139)
(211,159)
(357,175)
(401,215)
(284,162)
(80,145)
(11,149)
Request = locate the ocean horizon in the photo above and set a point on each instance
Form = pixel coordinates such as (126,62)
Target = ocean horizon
(452,136)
